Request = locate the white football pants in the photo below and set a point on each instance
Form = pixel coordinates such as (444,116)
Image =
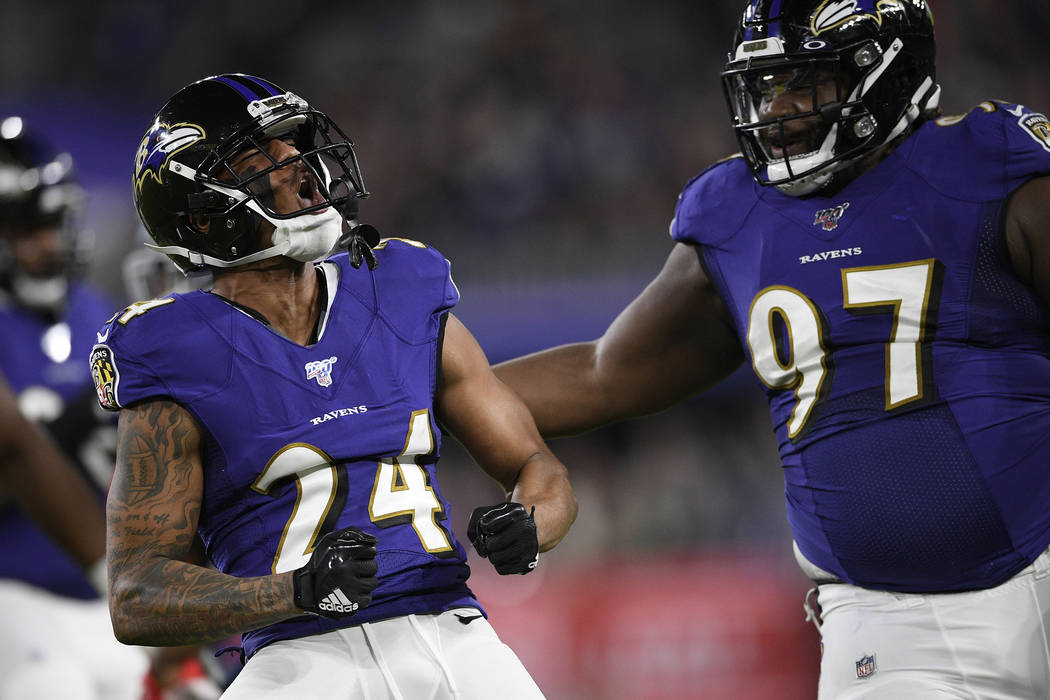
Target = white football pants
(57,648)
(979,645)
(416,657)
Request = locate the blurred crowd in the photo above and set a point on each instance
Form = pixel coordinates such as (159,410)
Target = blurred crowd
(539,145)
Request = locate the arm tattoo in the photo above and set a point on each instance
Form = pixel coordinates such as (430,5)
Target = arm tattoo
(156,598)
(149,454)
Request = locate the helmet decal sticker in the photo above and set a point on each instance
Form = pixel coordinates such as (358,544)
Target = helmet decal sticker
(833,13)
(159,144)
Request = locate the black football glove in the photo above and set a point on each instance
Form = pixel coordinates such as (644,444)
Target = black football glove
(506,534)
(340,576)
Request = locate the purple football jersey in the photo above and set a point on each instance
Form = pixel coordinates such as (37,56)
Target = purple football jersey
(907,369)
(43,362)
(300,441)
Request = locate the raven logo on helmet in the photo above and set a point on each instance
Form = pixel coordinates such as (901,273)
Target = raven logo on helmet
(834,12)
(158,145)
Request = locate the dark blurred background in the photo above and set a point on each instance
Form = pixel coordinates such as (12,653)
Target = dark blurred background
(541,147)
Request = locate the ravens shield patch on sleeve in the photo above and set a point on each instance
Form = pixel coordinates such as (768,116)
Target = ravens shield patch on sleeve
(1038,127)
(104,373)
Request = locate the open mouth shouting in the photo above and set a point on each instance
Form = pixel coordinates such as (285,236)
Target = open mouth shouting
(781,141)
(309,193)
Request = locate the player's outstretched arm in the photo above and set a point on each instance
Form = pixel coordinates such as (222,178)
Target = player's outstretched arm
(1027,232)
(671,342)
(496,428)
(48,487)
(156,598)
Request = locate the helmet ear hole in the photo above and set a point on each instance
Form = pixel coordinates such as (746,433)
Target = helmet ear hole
(200,222)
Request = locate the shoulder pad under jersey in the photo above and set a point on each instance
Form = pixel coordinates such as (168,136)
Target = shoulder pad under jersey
(714,204)
(984,154)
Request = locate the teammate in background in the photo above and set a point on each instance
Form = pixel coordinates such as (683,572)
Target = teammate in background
(59,640)
(290,416)
(52,611)
(46,486)
(150,275)
(886,272)
(48,318)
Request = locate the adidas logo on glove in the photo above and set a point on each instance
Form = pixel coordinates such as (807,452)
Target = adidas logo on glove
(342,559)
(336,601)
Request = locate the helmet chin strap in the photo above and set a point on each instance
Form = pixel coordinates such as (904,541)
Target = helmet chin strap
(306,238)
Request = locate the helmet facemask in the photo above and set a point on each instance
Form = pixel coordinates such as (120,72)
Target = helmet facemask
(792,145)
(328,184)
(855,86)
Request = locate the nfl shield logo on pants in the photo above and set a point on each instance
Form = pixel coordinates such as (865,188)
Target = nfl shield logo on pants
(866,666)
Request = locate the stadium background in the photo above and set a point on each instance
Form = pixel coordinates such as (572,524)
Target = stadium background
(540,146)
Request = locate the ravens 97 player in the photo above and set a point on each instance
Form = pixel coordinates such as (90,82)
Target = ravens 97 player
(58,638)
(293,416)
(885,270)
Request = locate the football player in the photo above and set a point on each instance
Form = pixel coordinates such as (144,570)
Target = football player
(48,317)
(885,271)
(59,640)
(293,415)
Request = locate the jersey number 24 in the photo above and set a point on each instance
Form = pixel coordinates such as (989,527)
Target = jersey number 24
(401,494)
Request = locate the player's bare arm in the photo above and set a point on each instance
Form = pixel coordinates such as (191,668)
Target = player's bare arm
(47,485)
(671,342)
(1028,234)
(156,598)
(496,428)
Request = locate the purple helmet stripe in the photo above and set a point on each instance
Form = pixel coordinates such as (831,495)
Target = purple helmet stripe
(774,11)
(236,85)
(264,85)
(749,33)
(770,20)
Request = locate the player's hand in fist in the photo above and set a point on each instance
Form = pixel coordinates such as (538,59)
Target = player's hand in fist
(340,576)
(506,535)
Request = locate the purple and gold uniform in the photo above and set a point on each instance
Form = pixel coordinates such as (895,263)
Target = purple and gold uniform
(906,367)
(43,363)
(300,441)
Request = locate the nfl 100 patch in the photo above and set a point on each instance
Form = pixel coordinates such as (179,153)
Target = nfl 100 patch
(321,370)
(828,219)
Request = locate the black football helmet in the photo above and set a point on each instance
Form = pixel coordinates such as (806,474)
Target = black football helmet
(879,55)
(183,168)
(39,189)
